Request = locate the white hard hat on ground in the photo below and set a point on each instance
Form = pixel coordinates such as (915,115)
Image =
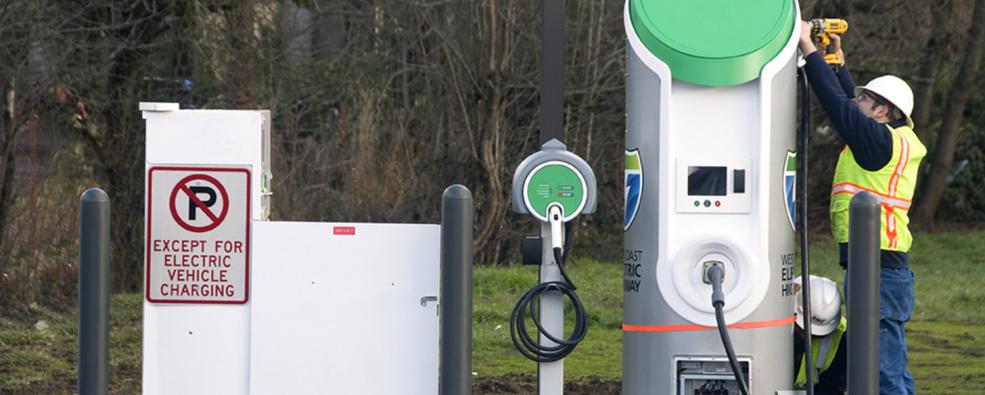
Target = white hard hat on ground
(894,90)
(825,305)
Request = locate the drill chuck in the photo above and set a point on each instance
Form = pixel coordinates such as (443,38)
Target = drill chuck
(828,25)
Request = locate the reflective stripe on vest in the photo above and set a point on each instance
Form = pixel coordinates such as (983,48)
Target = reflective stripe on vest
(852,189)
(823,351)
(893,186)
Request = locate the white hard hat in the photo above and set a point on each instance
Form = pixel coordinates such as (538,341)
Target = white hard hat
(894,90)
(825,305)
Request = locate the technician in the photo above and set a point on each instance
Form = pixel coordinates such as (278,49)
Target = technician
(881,156)
(828,329)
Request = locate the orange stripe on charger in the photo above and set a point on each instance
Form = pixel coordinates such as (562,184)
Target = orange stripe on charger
(693,327)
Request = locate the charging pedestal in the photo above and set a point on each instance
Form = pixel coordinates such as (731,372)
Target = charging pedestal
(554,186)
(710,140)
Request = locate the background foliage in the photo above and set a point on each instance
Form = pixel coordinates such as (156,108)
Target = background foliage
(378,105)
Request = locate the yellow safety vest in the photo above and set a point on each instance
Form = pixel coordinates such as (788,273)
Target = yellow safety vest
(893,185)
(823,350)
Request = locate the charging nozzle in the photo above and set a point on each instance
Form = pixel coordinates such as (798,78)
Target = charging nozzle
(555,217)
(715,274)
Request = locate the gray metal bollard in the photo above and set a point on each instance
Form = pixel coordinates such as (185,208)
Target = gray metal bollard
(455,305)
(94,257)
(863,287)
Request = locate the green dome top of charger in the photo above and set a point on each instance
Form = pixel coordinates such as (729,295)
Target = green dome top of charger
(714,42)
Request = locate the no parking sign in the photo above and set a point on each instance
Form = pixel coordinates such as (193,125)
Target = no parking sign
(198,232)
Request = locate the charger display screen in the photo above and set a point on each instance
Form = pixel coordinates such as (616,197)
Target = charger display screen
(706,180)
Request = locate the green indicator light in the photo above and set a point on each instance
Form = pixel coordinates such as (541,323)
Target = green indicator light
(697,203)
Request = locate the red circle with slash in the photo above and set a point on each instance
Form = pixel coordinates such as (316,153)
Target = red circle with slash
(182,186)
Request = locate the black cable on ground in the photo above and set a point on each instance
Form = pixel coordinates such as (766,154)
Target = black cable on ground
(715,275)
(526,344)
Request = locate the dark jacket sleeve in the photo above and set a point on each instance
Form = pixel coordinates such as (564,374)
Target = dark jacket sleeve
(846,81)
(870,141)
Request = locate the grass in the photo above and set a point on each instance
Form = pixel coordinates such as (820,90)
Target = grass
(947,340)
(947,343)
(39,357)
(946,357)
(496,292)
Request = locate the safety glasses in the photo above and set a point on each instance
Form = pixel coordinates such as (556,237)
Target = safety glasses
(863,96)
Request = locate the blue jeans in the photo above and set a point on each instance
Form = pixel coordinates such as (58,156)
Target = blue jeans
(895,308)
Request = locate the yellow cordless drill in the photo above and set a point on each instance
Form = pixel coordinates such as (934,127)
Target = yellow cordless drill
(820,28)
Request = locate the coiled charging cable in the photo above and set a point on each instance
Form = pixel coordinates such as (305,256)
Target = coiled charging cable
(524,342)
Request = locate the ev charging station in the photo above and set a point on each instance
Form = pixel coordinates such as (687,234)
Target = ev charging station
(711,99)
(238,304)
(554,186)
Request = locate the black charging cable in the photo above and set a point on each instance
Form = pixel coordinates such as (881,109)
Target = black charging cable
(524,342)
(805,267)
(715,275)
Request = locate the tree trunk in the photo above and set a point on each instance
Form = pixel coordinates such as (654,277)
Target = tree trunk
(491,148)
(927,76)
(8,159)
(943,157)
(113,131)
(241,66)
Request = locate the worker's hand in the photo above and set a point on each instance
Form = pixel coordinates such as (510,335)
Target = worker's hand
(807,46)
(836,46)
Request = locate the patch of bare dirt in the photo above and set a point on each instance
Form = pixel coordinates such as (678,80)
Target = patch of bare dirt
(527,384)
